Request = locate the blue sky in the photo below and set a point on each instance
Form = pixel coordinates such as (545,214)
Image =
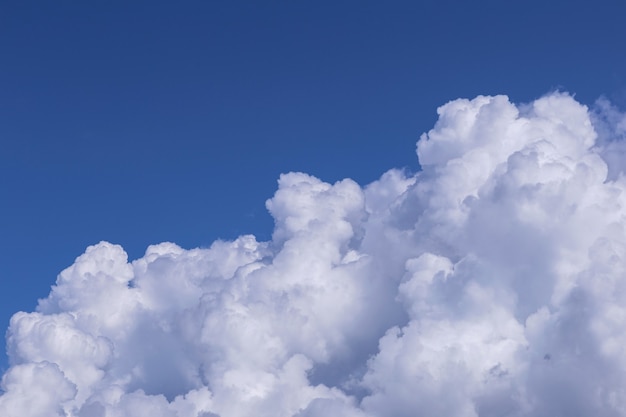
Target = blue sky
(142,122)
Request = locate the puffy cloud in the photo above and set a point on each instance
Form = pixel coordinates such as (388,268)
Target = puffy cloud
(36,389)
(490,283)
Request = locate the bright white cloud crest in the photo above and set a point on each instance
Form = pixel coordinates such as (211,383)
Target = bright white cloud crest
(491,283)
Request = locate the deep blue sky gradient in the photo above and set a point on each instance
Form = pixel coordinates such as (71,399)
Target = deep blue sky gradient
(147,121)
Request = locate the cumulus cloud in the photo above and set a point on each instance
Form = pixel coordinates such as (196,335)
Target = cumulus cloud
(490,283)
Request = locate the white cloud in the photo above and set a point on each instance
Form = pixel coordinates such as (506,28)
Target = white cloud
(491,283)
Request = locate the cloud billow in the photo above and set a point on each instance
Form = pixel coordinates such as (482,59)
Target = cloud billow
(490,283)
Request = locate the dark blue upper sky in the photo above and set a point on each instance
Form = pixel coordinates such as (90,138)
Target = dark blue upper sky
(147,121)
